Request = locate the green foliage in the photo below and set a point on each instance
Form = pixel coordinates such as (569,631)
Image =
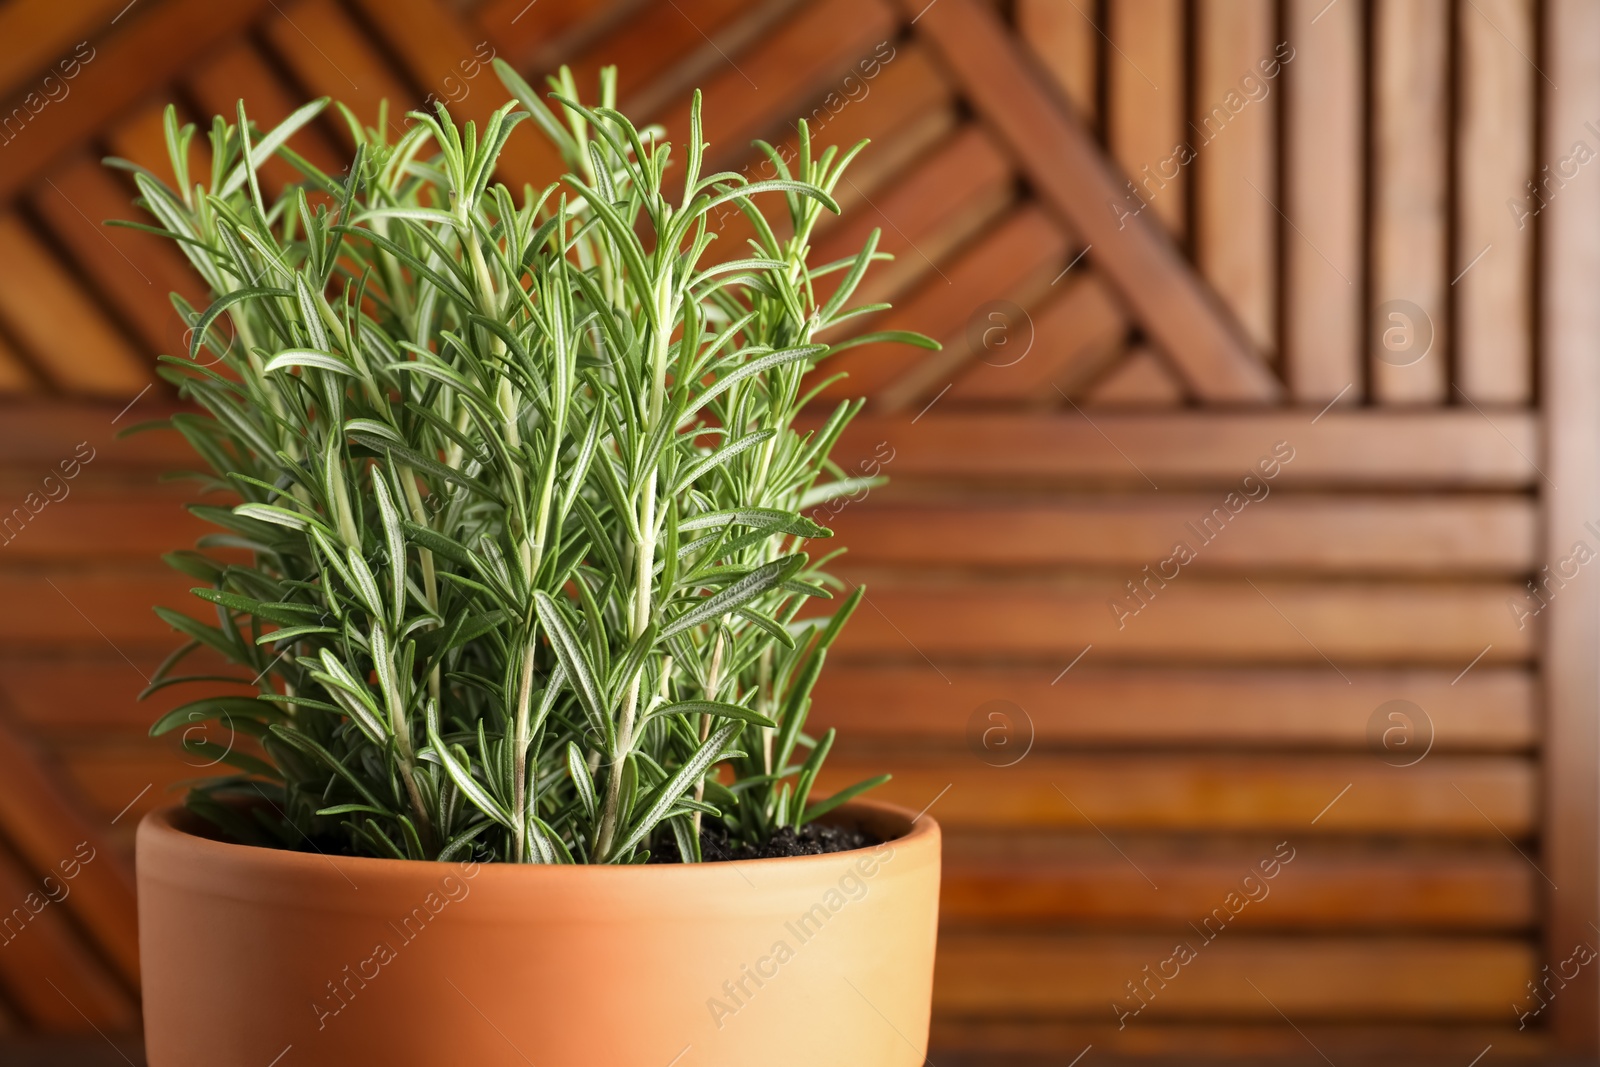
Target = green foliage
(520,484)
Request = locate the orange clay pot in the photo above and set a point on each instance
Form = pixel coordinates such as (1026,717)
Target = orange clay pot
(254,957)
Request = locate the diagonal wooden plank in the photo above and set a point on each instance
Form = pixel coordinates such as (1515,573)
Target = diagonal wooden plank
(132,271)
(58,325)
(1076,336)
(324,47)
(44,827)
(1073,177)
(148,48)
(46,970)
(455,70)
(534,33)
(15,377)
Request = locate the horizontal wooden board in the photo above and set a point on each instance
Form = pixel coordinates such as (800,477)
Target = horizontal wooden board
(1415,449)
(1488,708)
(1465,796)
(1413,535)
(40,948)
(44,825)
(976,1041)
(82,521)
(1235,977)
(1078,881)
(130,779)
(37,435)
(95,609)
(1193,619)
(97,694)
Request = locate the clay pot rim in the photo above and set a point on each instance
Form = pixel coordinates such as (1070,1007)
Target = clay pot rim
(165,825)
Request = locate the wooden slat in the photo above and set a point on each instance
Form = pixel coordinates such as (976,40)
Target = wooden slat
(132,775)
(905,97)
(241,72)
(96,693)
(1145,106)
(1077,334)
(1494,153)
(153,44)
(1324,151)
(65,335)
(42,34)
(1014,261)
(1193,619)
(344,64)
(802,60)
(1235,141)
(934,204)
(89,609)
(1309,979)
(135,526)
(1065,42)
(140,136)
(1209,794)
(36,435)
(1488,709)
(1021,880)
(133,271)
(40,949)
(456,70)
(43,826)
(977,1041)
(664,50)
(945,199)
(1409,190)
(529,33)
(1075,179)
(1570,317)
(1319,534)
(1444,449)
(16,378)
(1139,380)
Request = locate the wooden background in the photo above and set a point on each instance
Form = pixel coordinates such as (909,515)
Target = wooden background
(1162,241)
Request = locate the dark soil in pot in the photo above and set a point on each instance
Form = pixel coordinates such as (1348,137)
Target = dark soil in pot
(813,839)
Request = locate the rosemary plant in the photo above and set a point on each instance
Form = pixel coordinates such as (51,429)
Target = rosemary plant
(519,483)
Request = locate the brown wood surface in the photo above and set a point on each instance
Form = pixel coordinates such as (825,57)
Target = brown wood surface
(1293,532)
(1469,797)
(46,826)
(342,65)
(1494,162)
(1432,449)
(1572,317)
(1234,136)
(1142,379)
(1030,879)
(1076,332)
(132,271)
(143,53)
(1310,979)
(1251,701)
(1193,619)
(1013,262)
(66,335)
(1410,200)
(1145,113)
(1076,180)
(1066,42)
(1107,707)
(1324,340)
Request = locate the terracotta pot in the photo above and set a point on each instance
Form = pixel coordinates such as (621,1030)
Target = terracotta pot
(253,957)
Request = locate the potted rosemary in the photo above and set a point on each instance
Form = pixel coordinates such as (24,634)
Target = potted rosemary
(513,549)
